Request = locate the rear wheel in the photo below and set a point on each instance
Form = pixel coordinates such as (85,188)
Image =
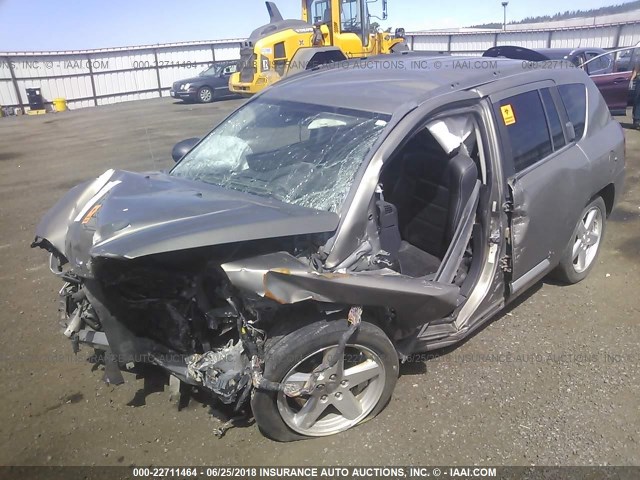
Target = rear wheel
(205,95)
(355,389)
(583,249)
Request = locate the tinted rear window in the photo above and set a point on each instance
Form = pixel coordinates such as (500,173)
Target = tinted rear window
(555,126)
(574,98)
(526,125)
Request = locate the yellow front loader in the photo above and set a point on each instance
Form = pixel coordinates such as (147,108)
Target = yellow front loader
(330,31)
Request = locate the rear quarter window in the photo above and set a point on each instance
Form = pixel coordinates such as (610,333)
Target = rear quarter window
(574,98)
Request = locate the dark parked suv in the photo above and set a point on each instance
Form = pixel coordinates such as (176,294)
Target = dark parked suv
(334,225)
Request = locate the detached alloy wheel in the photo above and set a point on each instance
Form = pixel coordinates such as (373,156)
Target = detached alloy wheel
(353,390)
(205,95)
(582,251)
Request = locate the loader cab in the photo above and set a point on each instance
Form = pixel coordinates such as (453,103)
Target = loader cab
(352,21)
(318,11)
(354,18)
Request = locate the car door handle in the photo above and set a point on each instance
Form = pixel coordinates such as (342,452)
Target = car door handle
(619,79)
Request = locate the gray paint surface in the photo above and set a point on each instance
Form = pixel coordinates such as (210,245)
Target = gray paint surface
(385,83)
(155,213)
(285,279)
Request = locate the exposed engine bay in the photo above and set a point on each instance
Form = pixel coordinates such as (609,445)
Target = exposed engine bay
(190,320)
(181,313)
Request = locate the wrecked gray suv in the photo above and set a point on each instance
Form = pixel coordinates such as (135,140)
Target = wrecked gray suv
(333,226)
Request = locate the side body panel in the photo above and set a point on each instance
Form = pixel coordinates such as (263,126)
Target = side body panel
(285,279)
(547,201)
(547,198)
(604,145)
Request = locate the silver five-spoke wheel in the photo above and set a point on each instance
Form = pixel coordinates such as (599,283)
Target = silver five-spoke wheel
(354,389)
(587,240)
(583,247)
(344,395)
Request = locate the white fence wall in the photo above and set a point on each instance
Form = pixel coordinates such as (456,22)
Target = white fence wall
(98,77)
(475,42)
(524,39)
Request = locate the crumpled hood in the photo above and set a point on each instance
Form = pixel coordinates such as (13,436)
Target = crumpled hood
(127,215)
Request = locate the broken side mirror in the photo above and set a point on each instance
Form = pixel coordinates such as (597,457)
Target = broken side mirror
(571,131)
(181,148)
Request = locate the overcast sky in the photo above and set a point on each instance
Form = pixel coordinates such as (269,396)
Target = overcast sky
(84,24)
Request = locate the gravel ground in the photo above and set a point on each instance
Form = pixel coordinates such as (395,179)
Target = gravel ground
(553,381)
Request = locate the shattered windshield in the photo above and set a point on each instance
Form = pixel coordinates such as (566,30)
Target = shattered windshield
(297,153)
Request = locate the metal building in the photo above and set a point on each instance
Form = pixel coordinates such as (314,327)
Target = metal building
(97,77)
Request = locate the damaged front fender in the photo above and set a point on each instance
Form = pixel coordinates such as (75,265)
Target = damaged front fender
(52,230)
(286,279)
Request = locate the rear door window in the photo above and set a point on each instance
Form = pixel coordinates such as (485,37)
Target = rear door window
(574,98)
(526,125)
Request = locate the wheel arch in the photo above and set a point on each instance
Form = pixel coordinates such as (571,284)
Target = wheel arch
(608,194)
(292,317)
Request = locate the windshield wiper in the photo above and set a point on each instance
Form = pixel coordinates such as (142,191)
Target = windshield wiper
(251,186)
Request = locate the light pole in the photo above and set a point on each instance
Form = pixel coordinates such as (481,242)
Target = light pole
(504,23)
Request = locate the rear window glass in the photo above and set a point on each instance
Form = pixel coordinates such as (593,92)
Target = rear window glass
(555,126)
(574,98)
(526,125)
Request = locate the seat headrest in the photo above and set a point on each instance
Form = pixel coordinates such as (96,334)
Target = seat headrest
(461,163)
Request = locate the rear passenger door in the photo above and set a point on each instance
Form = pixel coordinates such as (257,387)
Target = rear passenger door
(613,82)
(545,171)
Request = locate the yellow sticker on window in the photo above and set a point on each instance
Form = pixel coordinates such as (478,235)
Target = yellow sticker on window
(508,115)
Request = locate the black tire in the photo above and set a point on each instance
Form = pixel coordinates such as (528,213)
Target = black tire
(566,270)
(285,353)
(205,95)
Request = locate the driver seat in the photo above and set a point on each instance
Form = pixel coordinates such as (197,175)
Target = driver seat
(430,195)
